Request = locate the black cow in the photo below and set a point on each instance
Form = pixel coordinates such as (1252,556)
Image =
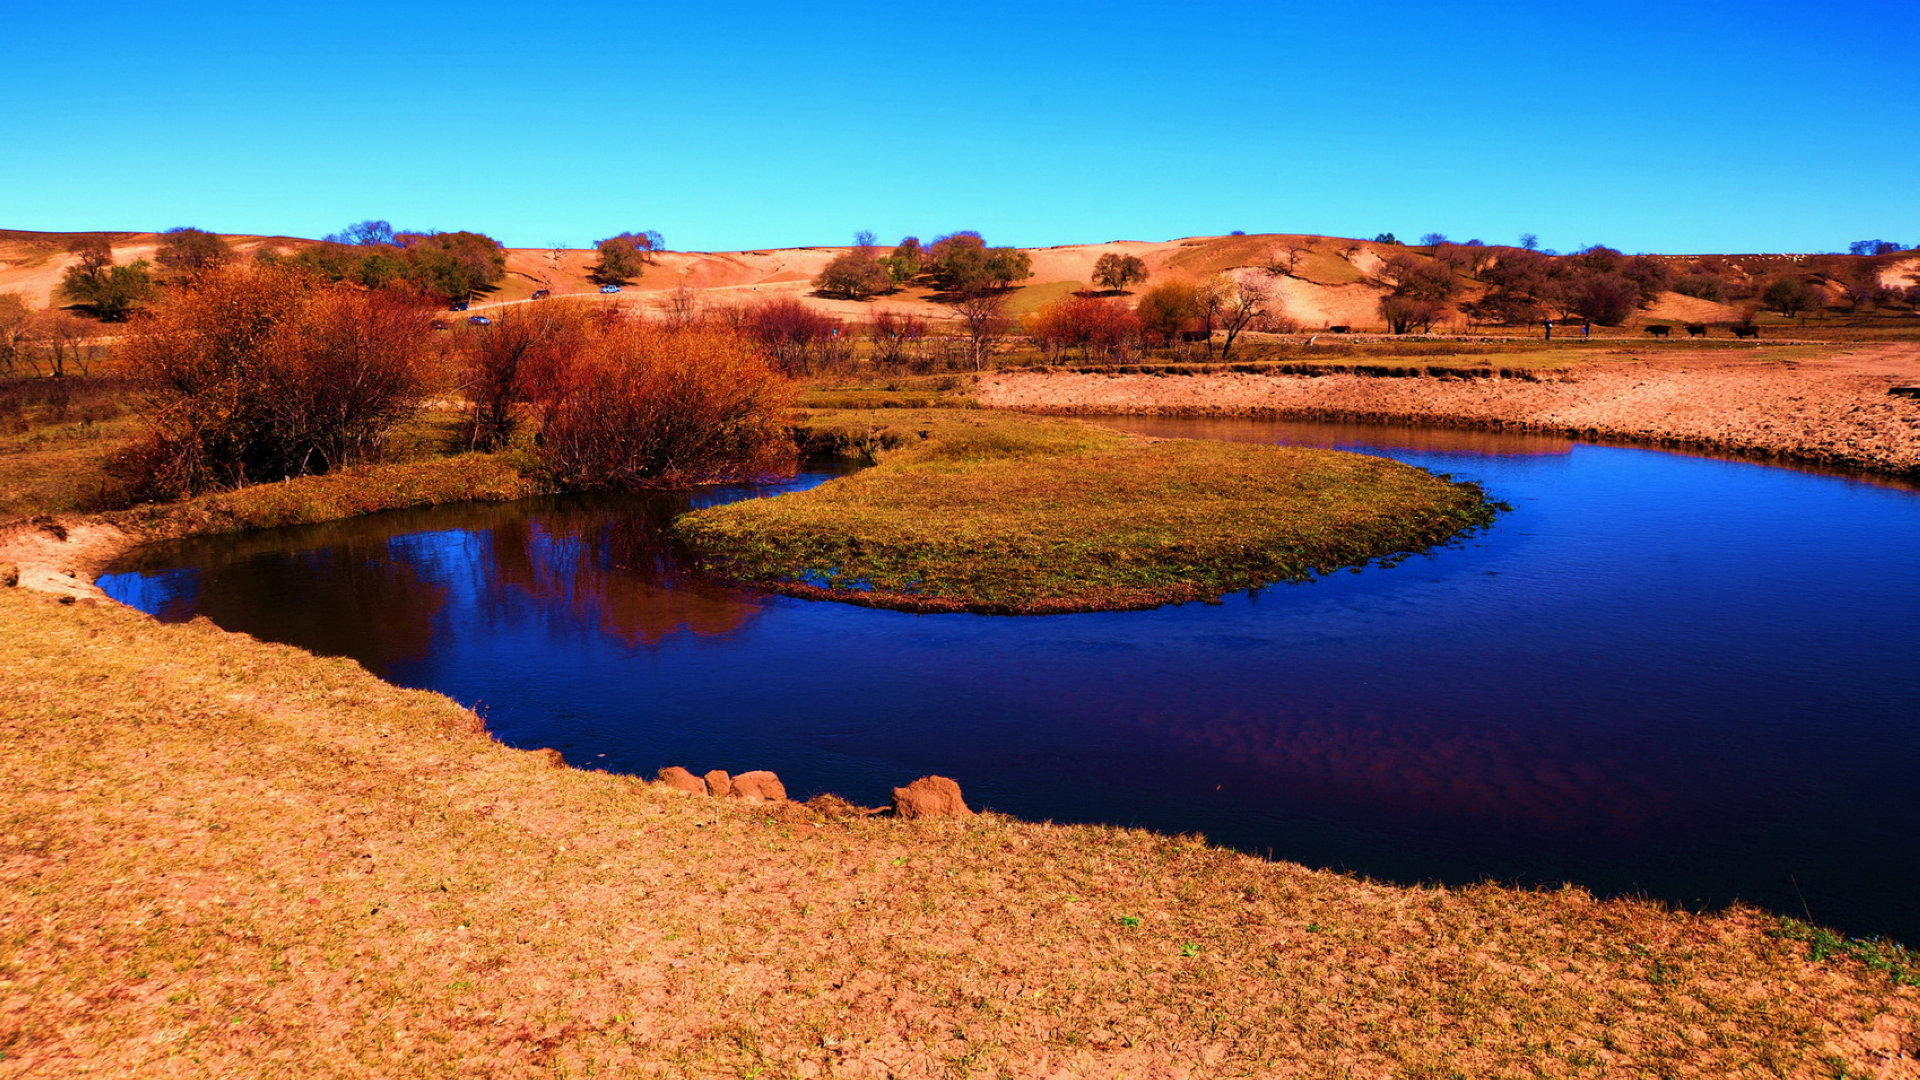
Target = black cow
(1339,329)
(1659,331)
(1746,330)
(1695,329)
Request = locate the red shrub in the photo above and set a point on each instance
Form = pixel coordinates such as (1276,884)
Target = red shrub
(647,406)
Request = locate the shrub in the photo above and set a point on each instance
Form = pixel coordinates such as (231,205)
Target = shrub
(792,335)
(526,348)
(1790,296)
(1170,310)
(253,374)
(649,406)
(1105,326)
(896,337)
(854,275)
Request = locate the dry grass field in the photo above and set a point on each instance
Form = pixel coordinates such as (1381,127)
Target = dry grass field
(229,858)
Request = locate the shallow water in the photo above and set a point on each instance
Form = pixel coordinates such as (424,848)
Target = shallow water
(1686,677)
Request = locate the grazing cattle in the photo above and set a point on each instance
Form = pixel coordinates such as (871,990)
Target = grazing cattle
(1746,331)
(1659,331)
(1695,329)
(1339,329)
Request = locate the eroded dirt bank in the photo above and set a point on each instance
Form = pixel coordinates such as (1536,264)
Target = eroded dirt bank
(1832,410)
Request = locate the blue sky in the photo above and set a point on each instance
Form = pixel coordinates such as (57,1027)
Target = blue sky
(1686,126)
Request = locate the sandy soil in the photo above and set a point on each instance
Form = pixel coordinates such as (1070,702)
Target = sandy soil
(1834,411)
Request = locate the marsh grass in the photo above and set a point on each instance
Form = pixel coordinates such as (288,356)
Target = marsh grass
(996,513)
(230,858)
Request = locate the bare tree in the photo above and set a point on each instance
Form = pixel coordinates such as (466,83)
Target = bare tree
(1283,261)
(684,308)
(1242,304)
(984,313)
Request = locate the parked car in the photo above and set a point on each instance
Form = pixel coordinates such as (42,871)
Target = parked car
(457,305)
(609,288)
(479,320)
(539,294)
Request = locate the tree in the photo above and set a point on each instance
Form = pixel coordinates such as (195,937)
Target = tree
(1170,310)
(1422,279)
(1529,242)
(984,314)
(370,233)
(1606,297)
(108,291)
(1790,296)
(855,275)
(624,257)
(1386,238)
(1113,271)
(185,252)
(962,263)
(1651,275)
(905,263)
(1432,241)
(1243,304)
(1873,247)
(789,333)
(1405,313)
(16,319)
(1283,261)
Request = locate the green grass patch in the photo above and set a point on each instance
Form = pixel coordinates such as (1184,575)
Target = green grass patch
(1031,298)
(994,513)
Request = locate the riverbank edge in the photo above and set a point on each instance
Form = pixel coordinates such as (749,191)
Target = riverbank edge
(1220,395)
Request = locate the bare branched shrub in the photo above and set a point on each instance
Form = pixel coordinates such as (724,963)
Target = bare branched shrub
(525,348)
(897,338)
(650,406)
(797,338)
(252,373)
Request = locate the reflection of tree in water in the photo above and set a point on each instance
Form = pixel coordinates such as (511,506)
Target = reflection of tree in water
(610,561)
(374,608)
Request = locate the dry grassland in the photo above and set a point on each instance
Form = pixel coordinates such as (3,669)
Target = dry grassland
(229,858)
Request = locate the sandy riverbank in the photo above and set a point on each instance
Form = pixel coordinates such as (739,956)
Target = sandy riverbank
(1830,409)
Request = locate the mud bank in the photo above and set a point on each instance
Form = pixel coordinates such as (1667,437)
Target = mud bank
(1835,413)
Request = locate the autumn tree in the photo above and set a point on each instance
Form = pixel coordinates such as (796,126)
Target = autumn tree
(186,252)
(792,335)
(962,263)
(625,257)
(1243,303)
(1170,310)
(15,317)
(1606,297)
(1113,271)
(1790,296)
(856,274)
(110,292)
(984,315)
(905,262)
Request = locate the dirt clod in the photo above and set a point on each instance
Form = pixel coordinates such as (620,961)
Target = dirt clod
(930,796)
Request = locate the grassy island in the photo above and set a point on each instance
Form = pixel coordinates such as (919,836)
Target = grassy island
(985,512)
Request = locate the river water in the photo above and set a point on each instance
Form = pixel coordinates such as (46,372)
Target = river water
(1683,677)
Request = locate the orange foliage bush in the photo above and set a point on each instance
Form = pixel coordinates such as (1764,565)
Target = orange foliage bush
(507,363)
(1107,327)
(258,373)
(645,406)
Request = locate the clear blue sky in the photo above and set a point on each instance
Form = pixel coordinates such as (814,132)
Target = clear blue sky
(1682,126)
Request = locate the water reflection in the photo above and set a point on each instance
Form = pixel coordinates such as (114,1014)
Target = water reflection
(1681,676)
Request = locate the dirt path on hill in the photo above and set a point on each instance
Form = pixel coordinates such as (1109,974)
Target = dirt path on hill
(1834,410)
